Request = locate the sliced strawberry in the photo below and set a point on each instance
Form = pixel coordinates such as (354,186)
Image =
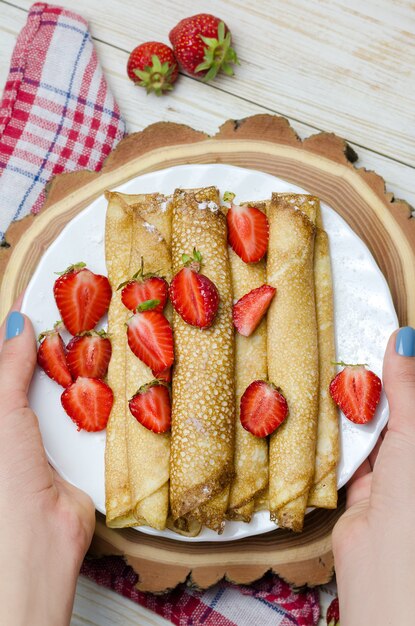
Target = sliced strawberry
(193,295)
(248,230)
(151,339)
(52,358)
(154,289)
(82,298)
(333,613)
(263,408)
(251,308)
(88,402)
(151,407)
(144,287)
(356,391)
(165,375)
(89,355)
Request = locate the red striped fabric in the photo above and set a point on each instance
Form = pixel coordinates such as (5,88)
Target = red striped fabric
(57,113)
(267,602)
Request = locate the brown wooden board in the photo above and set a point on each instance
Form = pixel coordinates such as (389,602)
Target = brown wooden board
(322,164)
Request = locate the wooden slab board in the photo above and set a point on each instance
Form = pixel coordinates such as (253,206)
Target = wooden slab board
(322,164)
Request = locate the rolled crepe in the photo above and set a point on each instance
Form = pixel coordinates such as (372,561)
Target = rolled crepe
(203,409)
(147,452)
(292,354)
(118,233)
(324,489)
(251,453)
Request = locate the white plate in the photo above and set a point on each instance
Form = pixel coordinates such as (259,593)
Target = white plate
(364,317)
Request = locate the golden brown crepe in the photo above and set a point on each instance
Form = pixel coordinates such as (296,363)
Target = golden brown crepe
(292,354)
(147,452)
(251,453)
(324,489)
(118,233)
(203,409)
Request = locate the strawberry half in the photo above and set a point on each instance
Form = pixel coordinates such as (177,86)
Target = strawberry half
(151,407)
(88,402)
(263,408)
(150,337)
(52,358)
(89,355)
(82,298)
(144,287)
(193,295)
(251,308)
(248,230)
(356,391)
(333,613)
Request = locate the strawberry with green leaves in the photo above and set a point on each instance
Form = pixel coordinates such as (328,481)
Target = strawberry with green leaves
(202,46)
(193,295)
(152,65)
(143,287)
(151,407)
(356,390)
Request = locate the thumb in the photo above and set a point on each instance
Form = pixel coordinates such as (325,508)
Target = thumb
(17,362)
(399,381)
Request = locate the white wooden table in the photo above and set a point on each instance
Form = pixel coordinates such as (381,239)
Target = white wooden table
(336,65)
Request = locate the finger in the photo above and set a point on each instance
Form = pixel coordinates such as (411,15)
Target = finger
(17,362)
(359,489)
(399,381)
(362,470)
(16,307)
(374,454)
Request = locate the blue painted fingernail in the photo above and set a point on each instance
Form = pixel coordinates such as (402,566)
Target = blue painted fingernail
(405,341)
(14,324)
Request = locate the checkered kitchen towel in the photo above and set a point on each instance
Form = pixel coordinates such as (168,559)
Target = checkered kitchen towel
(268,602)
(57,113)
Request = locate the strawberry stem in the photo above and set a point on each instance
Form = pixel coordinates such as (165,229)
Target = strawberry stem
(157,76)
(343,364)
(147,305)
(218,54)
(153,383)
(228,196)
(194,262)
(140,276)
(72,268)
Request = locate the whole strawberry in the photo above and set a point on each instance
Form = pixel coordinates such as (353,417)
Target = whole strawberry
(152,65)
(202,46)
(333,613)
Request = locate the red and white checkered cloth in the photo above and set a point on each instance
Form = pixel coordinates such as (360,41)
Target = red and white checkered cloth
(57,113)
(268,602)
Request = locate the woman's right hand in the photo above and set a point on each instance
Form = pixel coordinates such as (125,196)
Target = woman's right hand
(374,540)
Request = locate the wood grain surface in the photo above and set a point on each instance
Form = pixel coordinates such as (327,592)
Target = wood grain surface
(338,66)
(321,164)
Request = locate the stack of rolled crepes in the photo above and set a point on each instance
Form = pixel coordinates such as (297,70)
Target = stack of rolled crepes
(209,468)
